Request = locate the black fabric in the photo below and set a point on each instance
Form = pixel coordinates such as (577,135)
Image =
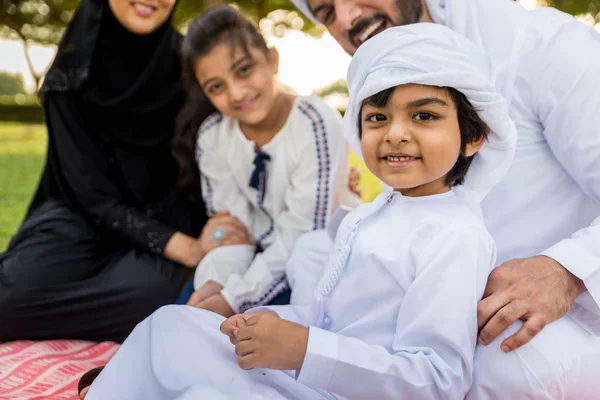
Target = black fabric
(62,280)
(87,262)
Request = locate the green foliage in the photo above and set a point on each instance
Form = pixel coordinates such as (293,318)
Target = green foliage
(22,149)
(338,87)
(11,84)
(43,21)
(577,7)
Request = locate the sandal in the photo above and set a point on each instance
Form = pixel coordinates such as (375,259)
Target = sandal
(87,379)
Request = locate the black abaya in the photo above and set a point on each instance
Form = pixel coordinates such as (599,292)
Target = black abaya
(87,263)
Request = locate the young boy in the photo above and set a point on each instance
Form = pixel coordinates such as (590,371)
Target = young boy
(395,313)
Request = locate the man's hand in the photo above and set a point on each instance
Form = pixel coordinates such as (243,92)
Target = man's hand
(267,341)
(217,304)
(537,290)
(205,291)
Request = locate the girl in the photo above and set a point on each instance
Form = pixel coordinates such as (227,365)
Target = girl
(269,158)
(107,240)
(395,313)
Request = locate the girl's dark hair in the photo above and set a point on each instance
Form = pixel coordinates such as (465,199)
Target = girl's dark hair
(220,24)
(472,128)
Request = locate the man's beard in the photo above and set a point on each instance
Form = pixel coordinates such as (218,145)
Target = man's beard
(410,11)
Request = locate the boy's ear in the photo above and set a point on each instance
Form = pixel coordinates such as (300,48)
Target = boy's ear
(473,147)
(274,59)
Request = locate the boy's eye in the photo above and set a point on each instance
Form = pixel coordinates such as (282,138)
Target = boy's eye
(375,118)
(423,116)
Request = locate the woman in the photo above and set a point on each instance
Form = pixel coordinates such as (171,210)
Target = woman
(107,239)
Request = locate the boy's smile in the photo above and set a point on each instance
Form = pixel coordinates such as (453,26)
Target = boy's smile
(413,140)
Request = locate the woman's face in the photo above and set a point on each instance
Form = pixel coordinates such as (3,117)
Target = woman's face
(239,85)
(141,17)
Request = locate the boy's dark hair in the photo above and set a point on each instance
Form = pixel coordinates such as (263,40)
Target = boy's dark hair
(472,128)
(220,24)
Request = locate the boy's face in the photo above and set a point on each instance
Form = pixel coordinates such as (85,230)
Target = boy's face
(239,85)
(351,22)
(413,141)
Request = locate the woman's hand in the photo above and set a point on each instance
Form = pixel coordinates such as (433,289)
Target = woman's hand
(221,230)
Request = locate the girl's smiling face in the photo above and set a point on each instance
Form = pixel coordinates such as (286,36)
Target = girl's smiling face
(240,85)
(412,140)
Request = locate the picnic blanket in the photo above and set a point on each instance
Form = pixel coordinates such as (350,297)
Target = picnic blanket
(48,370)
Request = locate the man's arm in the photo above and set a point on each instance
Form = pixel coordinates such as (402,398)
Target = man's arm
(542,289)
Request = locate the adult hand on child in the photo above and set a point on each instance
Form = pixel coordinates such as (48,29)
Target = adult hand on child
(217,304)
(204,292)
(537,290)
(267,341)
(232,231)
(354,182)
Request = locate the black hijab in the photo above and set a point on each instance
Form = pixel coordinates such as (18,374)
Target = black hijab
(132,83)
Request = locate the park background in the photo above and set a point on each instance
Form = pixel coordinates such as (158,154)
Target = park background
(31,29)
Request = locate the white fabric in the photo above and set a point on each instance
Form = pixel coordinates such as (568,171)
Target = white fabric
(433,55)
(549,202)
(308,156)
(394,315)
(381,325)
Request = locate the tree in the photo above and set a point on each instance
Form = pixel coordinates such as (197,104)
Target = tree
(578,7)
(11,84)
(43,21)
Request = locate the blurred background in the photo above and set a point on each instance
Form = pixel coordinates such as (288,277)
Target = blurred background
(31,29)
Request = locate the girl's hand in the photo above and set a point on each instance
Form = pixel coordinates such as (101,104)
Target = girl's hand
(205,291)
(267,341)
(231,229)
(217,304)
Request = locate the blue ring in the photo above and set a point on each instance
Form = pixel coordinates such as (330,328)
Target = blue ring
(218,234)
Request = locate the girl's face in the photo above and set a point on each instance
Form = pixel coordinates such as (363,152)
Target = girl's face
(239,85)
(413,141)
(141,17)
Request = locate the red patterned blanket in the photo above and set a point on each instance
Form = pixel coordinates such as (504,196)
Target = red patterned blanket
(48,370)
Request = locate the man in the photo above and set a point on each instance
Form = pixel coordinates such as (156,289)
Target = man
(544,216)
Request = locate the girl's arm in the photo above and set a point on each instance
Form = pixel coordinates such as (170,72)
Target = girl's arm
(436,331)
(221,193)
(308,203)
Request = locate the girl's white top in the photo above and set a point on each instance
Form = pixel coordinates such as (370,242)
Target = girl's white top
(308,156)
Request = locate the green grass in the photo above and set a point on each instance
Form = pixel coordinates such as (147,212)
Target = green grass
(22,151)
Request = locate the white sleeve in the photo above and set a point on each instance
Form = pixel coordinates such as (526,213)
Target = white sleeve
(436,331)
(308,203)
(568,107)
(220,192)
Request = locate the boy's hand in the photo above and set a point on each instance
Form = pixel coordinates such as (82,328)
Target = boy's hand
(232,325)
(217,304)
(268,341)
